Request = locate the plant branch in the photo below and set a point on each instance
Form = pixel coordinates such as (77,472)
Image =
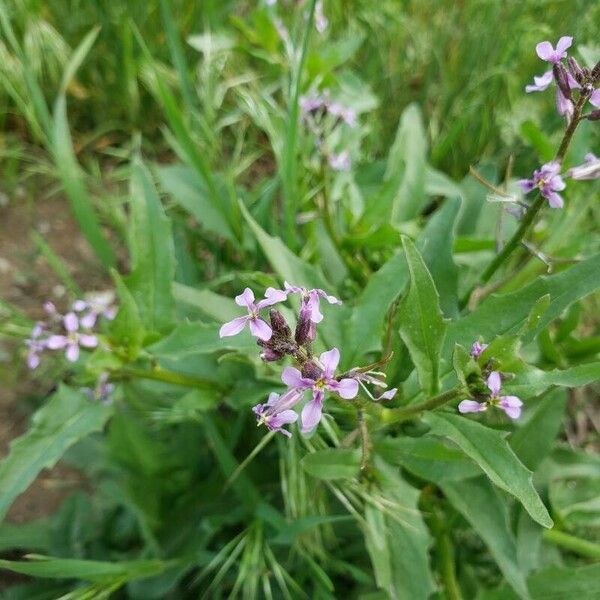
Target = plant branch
(534,209)
(158,374)
(573,543)
(397,415)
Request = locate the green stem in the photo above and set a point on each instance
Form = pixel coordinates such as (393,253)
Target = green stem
(534,209)
(159,374)
(289,160)
(573,543)
(396,415)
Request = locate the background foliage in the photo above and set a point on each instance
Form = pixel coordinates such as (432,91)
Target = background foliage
(173,130)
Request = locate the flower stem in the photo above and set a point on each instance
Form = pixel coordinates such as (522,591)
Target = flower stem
(534,209)
(573,543)
(397,415)
(365,440)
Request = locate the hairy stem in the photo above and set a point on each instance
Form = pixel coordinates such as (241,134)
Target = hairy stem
(158,374)
(365,440)
(534,209)
(573,543)
(396,415)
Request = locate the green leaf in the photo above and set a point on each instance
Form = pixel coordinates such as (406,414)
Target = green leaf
(126,329)
(187,189)
(88,570)
(376,540)
(152,252)
(428,458)
(67,417)
(481,505)
(533,441)
(33,535)
(422,326)
(332,463)
(189,339)
(213,305)
(489,450)
(410,150)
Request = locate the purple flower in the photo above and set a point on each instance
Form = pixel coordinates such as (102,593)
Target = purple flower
(277,411)
(341,161)
(35,345)
(96,305)
(376,379)
(477,349)
(311,300)
(541,82)
(258,327)
(322,380)
(588,170)
(547,52)
(321,21)
(548,181)
(511,405)
(102,391)
(73,339)
(387,395)
(595,98)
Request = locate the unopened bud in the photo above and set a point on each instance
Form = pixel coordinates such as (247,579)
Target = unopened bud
(279,324)
(596,73)
(593,116)
(311,370)
(303,328)
(270,355)
(576,70)
(562,80)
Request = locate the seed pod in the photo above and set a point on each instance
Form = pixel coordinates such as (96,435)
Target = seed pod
(279,324)
(576,70)
(562,80)
(593,116)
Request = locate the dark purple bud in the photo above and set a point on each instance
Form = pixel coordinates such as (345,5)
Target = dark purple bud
(596,73)
(304,327)
(576,70)
(270,355)
(562,80)
(593,116)
(311,370)
(279,324)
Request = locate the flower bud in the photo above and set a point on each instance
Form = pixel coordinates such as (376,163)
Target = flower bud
(311,370)
(576,70)
(596,73)
(593,116)
(279,324)
(304,327)
(270,355)
(562,80)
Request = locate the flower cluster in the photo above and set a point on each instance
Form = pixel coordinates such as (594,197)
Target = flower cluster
(511,405)
(569,79)
(69,332)
(317,376)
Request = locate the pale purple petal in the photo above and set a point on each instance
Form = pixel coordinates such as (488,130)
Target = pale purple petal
(494,382)
(283,418)
(80,305)
(595,98)
(526,184)
(477,349)
(110,313)
(292,289)
(273,397)
(72,352)
(56,342)
(563,44)
(545,51)
(555,200)
(388,394)
(346,388)
(564,106)
(71,322)
(260,329)
(330,361)
(88,341)
(293,378)
(50,308)
(541,82)
(572,82)
(587,171)
(470,406)
(272,296)
(89,320)
(287,400)
(33,360)
(233,327)
(511,405)
(557,183)
(313,304)
(312,412)
(246,298)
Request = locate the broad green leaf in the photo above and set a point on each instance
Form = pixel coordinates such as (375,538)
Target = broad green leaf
(33,535)
(188,339)
(489,450)
(187,189)
(67,417)
(213,305)
(409,149)
(377,542)
(422,325)
(332,463)
(535,437)
(435,243)
(152,252)
(534,381)
(88,570)
(465,366)
(428,458)
(126,329)
(486,511)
